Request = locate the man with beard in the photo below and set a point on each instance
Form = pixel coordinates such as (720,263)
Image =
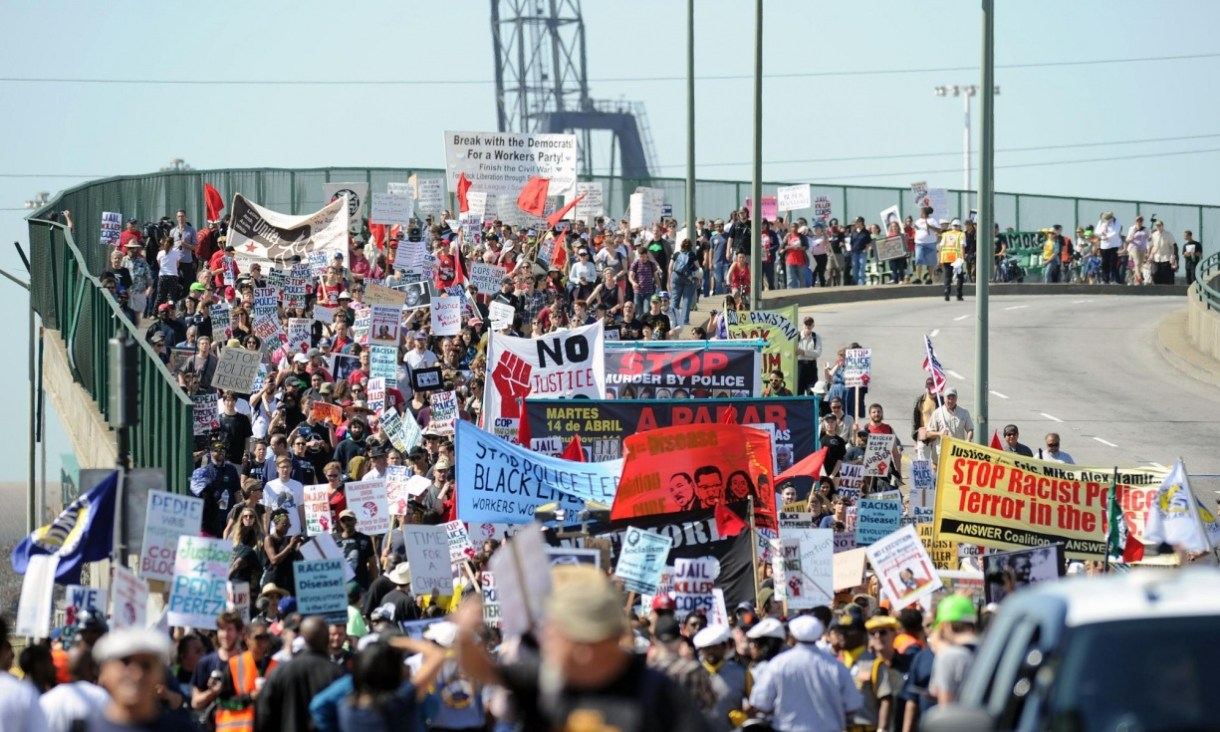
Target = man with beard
(709,486)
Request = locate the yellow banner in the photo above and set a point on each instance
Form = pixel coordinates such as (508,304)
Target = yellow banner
(779,329)
(1006,501)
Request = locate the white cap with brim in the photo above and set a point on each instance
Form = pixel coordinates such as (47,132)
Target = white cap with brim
(443,633)
(806,629)
(768,628)
(126,643)
(712,635)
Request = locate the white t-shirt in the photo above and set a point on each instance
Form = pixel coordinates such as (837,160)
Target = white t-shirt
(67,703)
(168,262)
(925,232)
(19,707)
(287,495)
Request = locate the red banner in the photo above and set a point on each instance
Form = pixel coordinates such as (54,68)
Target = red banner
(689,467)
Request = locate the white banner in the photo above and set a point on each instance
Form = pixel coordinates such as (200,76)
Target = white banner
(503,162)
(368,501)
(201,571)
(446,315)
(356,195)
(566,364)
(431,195)
(391,209)
(167,517)
(812,583)
(791,198)
(428,553)
(128,599)
(501,315)
(272,238)
(644,208)
(486,277)
(592,204)
(904,568)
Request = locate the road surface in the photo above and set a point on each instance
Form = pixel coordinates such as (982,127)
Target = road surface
(1086,367)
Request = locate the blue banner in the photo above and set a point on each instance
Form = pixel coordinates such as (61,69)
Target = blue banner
(321,589)
(877,519)
(499,482)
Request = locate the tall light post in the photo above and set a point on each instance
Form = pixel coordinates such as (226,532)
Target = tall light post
(756,276)
(691,233)
(986,225)
(966,92)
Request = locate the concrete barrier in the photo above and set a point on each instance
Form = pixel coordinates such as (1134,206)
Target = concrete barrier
(1202,323)
(833,295)
(92,439)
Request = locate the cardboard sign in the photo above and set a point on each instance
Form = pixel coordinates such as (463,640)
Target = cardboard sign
(591,206)
(904,568)
(878,455)
(460,548)
(168,516)
(128,599)
(391,209)
(501,315)
(877,519)
(367,499)
(431,194)
(206,416)
(78,599)
(320,588)
(446,315)
(849,569)
(519,585)
(642,560)
(112,228)
(444,406)
(318,518)
(428,553)
(812,582)
(236,370)
(201,571)
(857,366)
(791,198)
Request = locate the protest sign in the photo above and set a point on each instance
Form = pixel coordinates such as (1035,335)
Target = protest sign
(811,581)
(943,552)
(428,553)
(112,228)
(876,519)
(902,565)
(921,475)
(375,294)
(520,586)
(431,194)
(300,332)
(318,518)
(356,193)
(487,277)
(236,370)
(385,320)
(320,588)
(426,379)
(694,580)
(1002,570)
(678,371)
(446,315)
(167,517)
(795,520)
(561,556)
(273,239)
(566,364)
(403,431)
(396,477)
(37,596)
(491,600)
(791,198)
(197,592)
(501,315)
(327,412)
(222,322)
(603,423)
(367,499)
(848,569)
(770,208)
(460,548)
(821,209)
(128,599)
(503,483)
(642,559)
(851,480)
(383,364)
(688,467)
(78,599)
(591,206)
(391,209)
(417,295)
(409,256)
(324,546)
(844,540)
(237,597)
(503,162)
(1006,501)
(857,366)
(206,417)
(479,204)
(778,328)
(878,455)
(891,216)
(890,247)
(375,391)
(444,406)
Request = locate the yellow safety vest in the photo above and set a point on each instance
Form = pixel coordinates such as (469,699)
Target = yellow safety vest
(951,245)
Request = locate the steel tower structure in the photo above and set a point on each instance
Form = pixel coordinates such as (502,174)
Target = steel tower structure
(542,84)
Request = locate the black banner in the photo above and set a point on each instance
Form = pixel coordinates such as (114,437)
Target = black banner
(682,372)
(603,423)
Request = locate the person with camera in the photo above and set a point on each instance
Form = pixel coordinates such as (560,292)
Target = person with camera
(209,670)
(684,276)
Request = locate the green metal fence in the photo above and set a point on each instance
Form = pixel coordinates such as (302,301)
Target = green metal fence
(69,298)
(72,301)
(1207,275)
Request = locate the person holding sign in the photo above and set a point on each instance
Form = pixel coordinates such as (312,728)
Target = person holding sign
(949,420)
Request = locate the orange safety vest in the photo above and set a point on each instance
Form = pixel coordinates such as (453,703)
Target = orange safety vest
(244,673)
(951,245)
(904,641)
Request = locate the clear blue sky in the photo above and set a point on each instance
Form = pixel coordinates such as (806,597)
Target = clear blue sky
(58,129)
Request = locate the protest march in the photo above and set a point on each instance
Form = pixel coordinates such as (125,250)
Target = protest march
(483,462)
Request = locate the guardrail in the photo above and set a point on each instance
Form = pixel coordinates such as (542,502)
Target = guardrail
(72,301)
(1207,280)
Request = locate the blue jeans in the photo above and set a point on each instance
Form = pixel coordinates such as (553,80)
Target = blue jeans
(796,277)
(722,273)
(683,298)
(858,261)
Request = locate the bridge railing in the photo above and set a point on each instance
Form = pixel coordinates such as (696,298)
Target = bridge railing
(1207,280)
(72,301)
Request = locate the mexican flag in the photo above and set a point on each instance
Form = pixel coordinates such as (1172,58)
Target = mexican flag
(1120,542)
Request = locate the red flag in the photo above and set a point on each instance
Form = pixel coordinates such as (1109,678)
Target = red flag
(377,235)
(556,217)
(810,466)
(213,202)
(523,427)
(728,416)
(995,440)
(559,253)
(727,522)
(533,197)
(574,451)
(463,185)
(459,265)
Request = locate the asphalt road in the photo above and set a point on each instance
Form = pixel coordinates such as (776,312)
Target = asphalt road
(1086,367)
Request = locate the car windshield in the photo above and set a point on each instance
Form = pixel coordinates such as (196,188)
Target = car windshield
(1149,675)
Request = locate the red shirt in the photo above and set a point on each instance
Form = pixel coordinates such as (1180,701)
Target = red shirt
(338,501)
(879,429)
(127,237)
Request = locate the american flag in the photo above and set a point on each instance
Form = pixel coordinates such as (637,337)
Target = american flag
(932,366)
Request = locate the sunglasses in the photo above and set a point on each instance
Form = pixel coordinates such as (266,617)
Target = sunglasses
(1053,445)
(332,475)
(262,637)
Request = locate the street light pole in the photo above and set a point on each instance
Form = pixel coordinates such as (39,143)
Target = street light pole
(691,233)
(966,92)
(756,276)
(986,204)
